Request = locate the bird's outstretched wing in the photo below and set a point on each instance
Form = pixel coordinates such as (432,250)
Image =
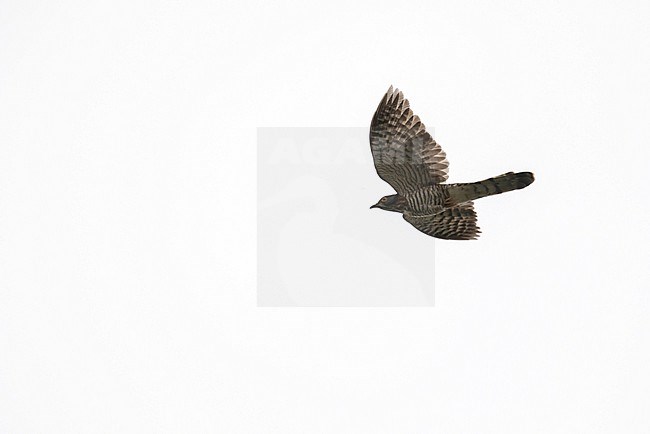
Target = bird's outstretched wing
(457,223)
(405,155)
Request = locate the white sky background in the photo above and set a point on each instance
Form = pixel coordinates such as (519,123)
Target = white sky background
(128,206)
(316,244)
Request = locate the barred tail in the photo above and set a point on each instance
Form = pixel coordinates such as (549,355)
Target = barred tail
(459,193)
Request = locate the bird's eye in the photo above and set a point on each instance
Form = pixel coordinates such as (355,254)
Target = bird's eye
(383,199)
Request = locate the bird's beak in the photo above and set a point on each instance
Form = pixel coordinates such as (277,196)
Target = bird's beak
(374,206)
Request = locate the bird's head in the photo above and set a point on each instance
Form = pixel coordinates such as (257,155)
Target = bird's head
(391,203)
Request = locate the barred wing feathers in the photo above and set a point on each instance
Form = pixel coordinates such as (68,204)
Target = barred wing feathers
(405,155)
(457,223)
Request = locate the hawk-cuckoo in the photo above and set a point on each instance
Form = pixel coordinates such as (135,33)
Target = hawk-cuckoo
(408,158)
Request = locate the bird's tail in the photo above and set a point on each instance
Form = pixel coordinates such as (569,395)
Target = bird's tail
(459,193)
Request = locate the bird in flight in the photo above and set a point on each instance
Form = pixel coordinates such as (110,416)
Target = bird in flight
(408,158)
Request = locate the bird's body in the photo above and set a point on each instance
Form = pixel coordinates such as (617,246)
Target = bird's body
(408,158)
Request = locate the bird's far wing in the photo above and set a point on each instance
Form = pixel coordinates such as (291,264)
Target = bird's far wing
(457,223)
(405,155)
